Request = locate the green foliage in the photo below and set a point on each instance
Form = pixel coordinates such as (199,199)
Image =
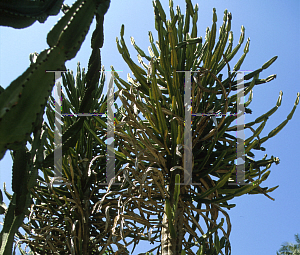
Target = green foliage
(24,168)
(21,14)
(71,223)
(20,108)
(289,248)
(81,215)
(157,93)
(171,211)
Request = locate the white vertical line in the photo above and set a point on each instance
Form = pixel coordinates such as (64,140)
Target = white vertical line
(57,132)
(57,126)
(187,159)
(240,169)
(110,163)
(240,165)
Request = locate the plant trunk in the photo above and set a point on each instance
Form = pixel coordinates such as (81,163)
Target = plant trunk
(86,234)
(166,246)
(169,245)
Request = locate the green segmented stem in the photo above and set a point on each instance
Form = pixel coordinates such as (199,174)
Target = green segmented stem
(21,14)
(26,97)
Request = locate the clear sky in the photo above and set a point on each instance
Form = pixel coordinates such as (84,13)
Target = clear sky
(259,225)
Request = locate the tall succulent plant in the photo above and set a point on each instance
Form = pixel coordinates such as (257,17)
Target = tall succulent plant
(22,105)
(61,218)
(155,144)
(152,147)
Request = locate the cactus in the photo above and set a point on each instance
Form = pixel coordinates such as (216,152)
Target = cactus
(23,180)
(158,92)
(21,14)
(27,91)
(22,105)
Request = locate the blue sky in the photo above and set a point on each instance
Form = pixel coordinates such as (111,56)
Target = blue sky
(259,225)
